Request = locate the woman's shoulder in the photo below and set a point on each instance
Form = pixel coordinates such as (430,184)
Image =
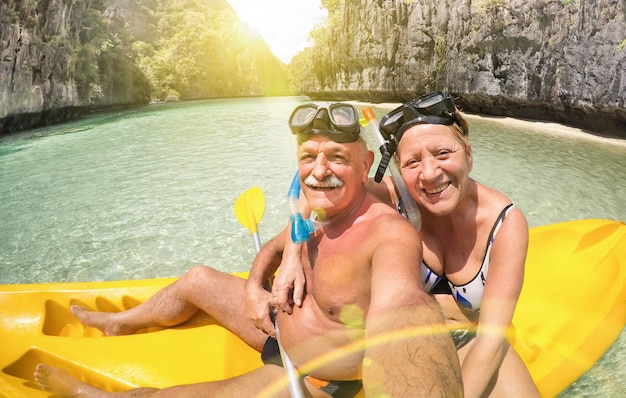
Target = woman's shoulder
(491,196)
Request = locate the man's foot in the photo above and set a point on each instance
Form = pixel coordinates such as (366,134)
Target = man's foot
(58,382)
(104,321)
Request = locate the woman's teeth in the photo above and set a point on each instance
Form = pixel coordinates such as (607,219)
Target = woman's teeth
(438,189)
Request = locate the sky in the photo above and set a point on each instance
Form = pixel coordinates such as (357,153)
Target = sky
(284,24)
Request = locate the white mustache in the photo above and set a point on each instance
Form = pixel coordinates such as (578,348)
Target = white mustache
(330,181)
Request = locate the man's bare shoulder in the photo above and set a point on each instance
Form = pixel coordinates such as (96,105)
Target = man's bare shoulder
(378,208)
(386,223)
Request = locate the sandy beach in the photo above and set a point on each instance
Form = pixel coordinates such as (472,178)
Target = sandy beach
(556,129)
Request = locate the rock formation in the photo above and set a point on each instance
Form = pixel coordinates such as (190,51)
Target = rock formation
(45,47)
(62,58)
(555,60)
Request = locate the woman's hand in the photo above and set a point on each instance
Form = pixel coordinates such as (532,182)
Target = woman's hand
(258,304)
(289,284)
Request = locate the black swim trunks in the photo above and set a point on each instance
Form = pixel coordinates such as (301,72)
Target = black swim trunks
(335,388)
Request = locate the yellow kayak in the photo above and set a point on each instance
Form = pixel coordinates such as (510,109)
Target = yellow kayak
(573,303)
(570,311)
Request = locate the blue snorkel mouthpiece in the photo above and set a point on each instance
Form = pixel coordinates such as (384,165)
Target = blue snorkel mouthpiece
(301,229)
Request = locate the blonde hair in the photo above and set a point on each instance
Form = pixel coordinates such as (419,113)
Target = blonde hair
(461,132)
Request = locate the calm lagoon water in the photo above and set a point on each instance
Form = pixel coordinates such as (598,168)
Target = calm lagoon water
(149,192)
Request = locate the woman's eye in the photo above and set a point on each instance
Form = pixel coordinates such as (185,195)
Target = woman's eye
(443,154)
(411,164)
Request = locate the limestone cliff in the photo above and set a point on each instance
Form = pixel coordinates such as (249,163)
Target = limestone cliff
(49,52)
(557,60)
(61,58)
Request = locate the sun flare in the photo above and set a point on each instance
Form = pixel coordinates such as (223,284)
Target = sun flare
(284,24)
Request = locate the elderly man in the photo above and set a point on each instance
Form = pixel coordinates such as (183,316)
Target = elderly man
(364,303)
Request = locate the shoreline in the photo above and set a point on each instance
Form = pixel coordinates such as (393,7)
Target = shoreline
(552,128)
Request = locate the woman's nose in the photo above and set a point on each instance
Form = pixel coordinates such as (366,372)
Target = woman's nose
(430,169)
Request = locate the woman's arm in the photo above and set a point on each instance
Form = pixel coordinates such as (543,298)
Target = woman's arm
(484,357)
(289,284)
(384,191)
(263,268)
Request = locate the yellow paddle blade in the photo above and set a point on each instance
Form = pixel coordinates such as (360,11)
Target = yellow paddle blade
(249,208)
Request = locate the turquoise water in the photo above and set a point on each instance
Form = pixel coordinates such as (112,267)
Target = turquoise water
(149,192)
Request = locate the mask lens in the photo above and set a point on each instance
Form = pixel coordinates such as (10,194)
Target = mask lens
(430,100)
(342,115)
(339,121)
(434,103)
(302,117)
(391,122)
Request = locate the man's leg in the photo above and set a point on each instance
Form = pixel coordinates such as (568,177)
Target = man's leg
(268,378)
(219,294)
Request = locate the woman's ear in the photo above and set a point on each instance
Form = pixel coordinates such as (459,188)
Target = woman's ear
(368,159)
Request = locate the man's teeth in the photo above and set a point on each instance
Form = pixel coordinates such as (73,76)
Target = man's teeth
(438,189)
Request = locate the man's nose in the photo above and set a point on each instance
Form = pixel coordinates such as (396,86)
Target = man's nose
(321,168)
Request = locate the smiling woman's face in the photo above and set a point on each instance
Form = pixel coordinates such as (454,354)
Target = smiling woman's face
(435,165)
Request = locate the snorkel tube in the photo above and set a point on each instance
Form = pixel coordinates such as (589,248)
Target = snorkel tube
(376,139)
(301,229)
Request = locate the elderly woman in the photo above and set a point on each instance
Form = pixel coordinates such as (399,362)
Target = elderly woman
(474,242)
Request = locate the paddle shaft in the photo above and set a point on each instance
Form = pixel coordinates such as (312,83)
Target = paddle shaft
(295,388)
(249,209)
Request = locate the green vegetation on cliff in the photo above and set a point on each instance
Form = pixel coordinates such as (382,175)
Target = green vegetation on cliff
(122,52)
(314,64)
(71,43)
(199,49)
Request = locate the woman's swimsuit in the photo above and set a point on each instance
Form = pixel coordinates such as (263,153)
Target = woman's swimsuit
(469,295)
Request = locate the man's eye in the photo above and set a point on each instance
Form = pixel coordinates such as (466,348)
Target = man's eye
(337,159)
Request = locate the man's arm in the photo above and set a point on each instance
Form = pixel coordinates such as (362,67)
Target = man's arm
(409,352)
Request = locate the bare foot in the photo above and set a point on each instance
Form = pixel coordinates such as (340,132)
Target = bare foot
(56,381)
(107,322)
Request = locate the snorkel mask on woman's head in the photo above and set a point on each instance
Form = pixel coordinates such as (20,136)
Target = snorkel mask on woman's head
(434,108)
(339,122)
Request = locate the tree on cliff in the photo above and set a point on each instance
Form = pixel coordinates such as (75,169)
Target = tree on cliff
(311,66)
(195,49)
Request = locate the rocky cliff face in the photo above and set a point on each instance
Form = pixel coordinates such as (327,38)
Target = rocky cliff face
(557,60)
(59,58)
(47,50)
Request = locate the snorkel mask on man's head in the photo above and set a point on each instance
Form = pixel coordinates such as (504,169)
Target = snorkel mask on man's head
(434,108)
(339,122)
